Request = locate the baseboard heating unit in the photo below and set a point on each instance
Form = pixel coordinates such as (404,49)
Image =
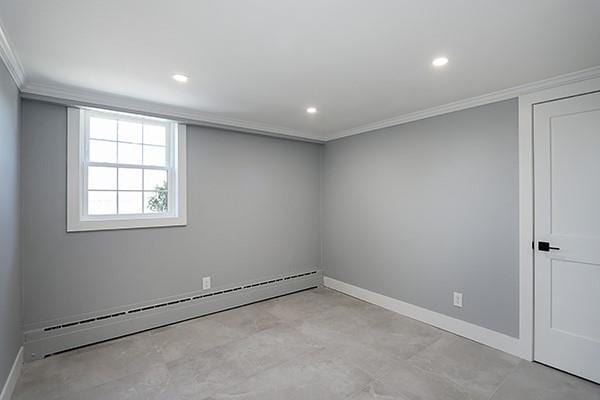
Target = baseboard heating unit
(69,333)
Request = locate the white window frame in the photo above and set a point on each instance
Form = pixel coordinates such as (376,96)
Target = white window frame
(77,143)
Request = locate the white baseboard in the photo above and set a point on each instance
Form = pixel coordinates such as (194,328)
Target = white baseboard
(468,330)
(13,377)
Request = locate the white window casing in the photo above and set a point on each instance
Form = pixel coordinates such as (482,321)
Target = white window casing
(78,161)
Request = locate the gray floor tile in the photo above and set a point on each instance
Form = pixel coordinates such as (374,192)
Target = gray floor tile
(54,377)
(377,391)
(476,367)
(314,376)
(375,362)
(198,378)
(417,384)
(351,348)
(299,305)
(204,373)
(192,337)
(87,367)
(375,314)
(534,381)
(340,319)
(151,384)
(247,320)
(401,337)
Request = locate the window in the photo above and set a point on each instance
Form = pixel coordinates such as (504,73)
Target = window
(124,171)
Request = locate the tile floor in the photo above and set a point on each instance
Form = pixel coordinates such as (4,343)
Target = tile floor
(316,344)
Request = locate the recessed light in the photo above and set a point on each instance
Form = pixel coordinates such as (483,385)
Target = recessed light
(311,110)
(180,78)
(440,62)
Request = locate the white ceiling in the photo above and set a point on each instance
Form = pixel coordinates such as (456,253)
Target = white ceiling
(265,61)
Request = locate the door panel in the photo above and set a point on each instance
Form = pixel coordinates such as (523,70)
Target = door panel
(567,275)
(567,215)
(575,164)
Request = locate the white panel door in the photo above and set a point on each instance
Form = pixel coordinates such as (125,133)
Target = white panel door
(567,234)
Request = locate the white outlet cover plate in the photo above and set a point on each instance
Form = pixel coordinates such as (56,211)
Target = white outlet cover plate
(206,282)
(458,299)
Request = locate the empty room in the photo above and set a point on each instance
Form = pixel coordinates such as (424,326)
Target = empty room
(298,200)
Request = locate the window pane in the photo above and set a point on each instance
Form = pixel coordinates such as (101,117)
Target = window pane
(130,202)
(155,202)
(130,153)
(101,151)
(130,132)
(102,203)
(130,179)
(102,178)
(155,179)
(103,128)
(154,155)
(155,134)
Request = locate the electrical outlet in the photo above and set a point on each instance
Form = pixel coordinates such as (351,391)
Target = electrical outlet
(458,299)
(206,283)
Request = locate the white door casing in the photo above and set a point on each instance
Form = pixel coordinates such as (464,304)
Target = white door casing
(567,216)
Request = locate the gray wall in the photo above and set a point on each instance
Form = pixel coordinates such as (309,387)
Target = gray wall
(10,273)
(420,210)
(414,212)
(253,212)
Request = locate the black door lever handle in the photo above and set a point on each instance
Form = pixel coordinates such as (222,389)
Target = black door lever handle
(545,246)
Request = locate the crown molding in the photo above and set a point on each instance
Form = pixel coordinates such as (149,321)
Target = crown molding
(10,58)
(493,97)
(73,96)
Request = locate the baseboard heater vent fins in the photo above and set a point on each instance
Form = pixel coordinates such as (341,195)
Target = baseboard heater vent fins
(173,302)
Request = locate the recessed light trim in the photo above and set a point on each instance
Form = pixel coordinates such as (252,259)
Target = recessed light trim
(311,110)
(180,78)
(439,61)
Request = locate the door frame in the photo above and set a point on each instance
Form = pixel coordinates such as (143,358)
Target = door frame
(526,203)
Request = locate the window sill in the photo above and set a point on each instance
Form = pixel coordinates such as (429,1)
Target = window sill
(117,224)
